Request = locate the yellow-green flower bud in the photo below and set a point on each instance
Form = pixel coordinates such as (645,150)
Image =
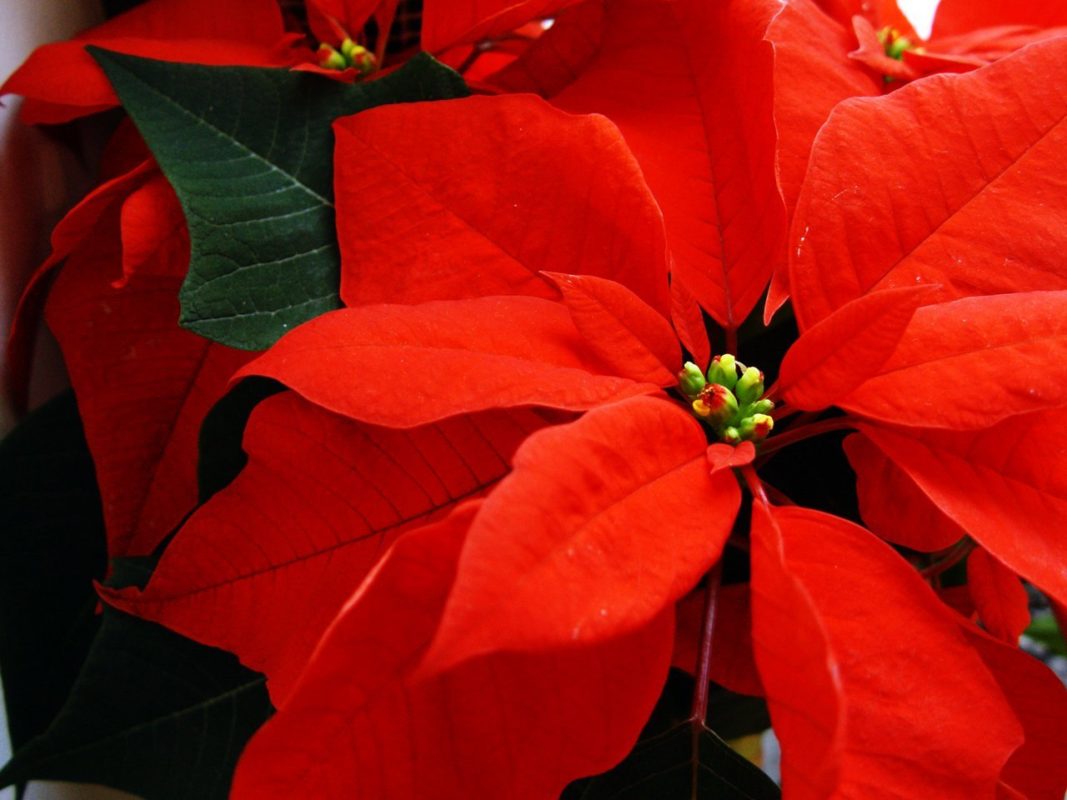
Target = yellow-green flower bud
(731,435)
(691,379)
(330,58)
(717,404)
(762,407)
(723,371)
(749,386)
(756,428)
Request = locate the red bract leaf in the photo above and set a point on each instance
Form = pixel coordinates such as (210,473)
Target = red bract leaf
(316,506)
(602,524)
(724,456)
(842,351)
(984,218)
(881,13)
(450,22)
(847,636)
(1006,486)
(893,506)
(1038,769)
(403,366)
(811,75)
(624,331)
(155,240)
(67,236)
(515,725)
(143,384)
(350,15)
(551,62)
(61,81)
(688,322)
(426,215)
(972,362)
(688,82)
(732,662)
(961,16)
(1000,598)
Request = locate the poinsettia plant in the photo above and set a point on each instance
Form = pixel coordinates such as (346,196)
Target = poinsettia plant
(534,399)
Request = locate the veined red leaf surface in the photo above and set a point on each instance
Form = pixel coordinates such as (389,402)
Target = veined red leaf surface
(847,637)
(881,13)
(143,384)
(603,524)
(1006,486)
(552,61)
(970,193)
(1038,769)
(892,506)
(688,321)
(689,84)
(450,22)
(402,366)
(516,725)
(999,597)
(838,354)
(61,81)
(962,16)
(451,199)
(812,74)
(972,362)
(263,567)
(623,330)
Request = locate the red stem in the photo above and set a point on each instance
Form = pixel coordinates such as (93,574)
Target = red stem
(711,600)
(731,341)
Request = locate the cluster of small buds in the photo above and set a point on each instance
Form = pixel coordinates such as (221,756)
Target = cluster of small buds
(350,55)
(895,43)
(728,398)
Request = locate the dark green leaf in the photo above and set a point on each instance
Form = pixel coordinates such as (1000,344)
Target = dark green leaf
(669,767)
(52,546)
(152,713)
(249,152)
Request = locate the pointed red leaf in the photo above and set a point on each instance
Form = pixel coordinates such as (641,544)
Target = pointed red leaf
(403,366)
(812,75)
(689,324)
(893,506)
(1038,769)
(67,236)
(688,82)
(155,240)
(1006,486)
(450,22)
(61,81)
(999,596)
(624,331)
(318,502)
(143,384)
(516,725)
(552,61)
(732,661)
(573,546)
(842,351)
(962,16)
(419,220)
(951,367)
(847,637)
(982,218)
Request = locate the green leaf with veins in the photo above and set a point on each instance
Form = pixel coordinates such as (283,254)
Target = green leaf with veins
(249,152)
